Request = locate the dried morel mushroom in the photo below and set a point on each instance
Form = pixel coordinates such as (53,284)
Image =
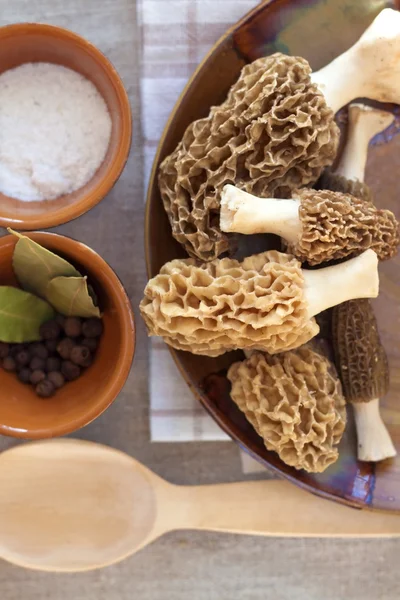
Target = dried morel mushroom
(331,180)
(264,303)
(295,403)
(319,226)
(363,367)
(273,133)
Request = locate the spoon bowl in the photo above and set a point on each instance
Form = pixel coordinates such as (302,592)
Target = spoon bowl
(69,505)
(99,509)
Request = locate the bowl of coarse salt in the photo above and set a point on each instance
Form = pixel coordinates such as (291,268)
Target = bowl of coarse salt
(65,126)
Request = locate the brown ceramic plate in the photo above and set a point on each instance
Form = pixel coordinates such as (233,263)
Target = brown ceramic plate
(319,30)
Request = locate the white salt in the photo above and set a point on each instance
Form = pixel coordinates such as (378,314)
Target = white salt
(54,131)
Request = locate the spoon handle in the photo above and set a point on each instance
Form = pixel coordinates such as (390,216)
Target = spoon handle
(273,508)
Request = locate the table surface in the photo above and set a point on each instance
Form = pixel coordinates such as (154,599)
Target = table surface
(186,564)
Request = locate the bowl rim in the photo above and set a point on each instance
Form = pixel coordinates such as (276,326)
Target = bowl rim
(128,344)
(83,205)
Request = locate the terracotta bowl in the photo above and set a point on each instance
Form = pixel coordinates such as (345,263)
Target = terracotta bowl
(319,30)
(33,42)
(22,413)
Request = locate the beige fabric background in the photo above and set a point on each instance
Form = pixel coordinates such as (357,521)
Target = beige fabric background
(185,565)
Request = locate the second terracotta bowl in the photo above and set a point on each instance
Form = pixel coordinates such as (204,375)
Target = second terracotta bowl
(22,413)
(35,42)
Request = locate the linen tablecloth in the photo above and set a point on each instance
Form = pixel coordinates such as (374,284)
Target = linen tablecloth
(199,565)
(195,25)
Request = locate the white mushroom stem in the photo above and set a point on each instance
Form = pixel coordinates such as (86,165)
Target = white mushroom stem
(369,69)
(241,212)
(355,278)
(373,439)
(374,442)
(364,123)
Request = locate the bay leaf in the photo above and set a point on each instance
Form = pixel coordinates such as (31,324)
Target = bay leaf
(21,315)
(93,295)
(70,297)
(34,266)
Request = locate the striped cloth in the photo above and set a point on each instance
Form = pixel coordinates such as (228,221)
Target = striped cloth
(175,36)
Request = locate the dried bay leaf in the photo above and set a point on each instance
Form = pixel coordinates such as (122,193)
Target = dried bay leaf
(21,315)
(93,295)
(70,297)
(35,266)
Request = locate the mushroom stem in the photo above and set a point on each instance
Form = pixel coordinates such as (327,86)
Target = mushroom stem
(374,443)
(364,123)
(244,213)
(369,69)
(355,278)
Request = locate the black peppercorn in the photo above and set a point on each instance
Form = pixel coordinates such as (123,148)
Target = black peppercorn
(37,376)
(73,327)
(9,364)
(45,389)
(50,330)
(24,375)
(92,328)
(4,349)
(37,363)
(23,357)
(70,370)
(80,355)
(64,348)
(53,364)
(51,345)
(39,350)
(60,320)
(56,378)
(90,343)
(15,348)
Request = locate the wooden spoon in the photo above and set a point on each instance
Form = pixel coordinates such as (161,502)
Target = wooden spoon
(70,505)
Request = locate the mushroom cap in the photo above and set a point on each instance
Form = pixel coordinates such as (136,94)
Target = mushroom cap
(359,354)
(223,305)
(338,183)
(272,134)
(336,225)
(294,401)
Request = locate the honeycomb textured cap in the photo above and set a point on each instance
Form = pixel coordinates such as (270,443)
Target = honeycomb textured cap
(273,133)
(336,226)
(294,401)
(211,308)
(359,354)
(337,183)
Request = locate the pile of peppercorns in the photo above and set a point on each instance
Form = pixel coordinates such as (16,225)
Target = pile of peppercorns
(68,347)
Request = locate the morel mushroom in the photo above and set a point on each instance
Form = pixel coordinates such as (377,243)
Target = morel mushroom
(364,123)
(355,334)
(363,367)
(267,302)
(273,133)
(319,226)
(294,401)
